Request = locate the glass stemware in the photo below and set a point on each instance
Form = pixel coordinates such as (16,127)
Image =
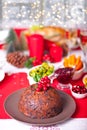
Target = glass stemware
(64,76)
(83,45)
(71,39)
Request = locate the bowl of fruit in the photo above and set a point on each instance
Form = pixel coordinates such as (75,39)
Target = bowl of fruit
(77,64)
(36,73)
(79,91)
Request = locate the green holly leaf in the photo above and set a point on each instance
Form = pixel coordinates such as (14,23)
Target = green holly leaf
(35,78)
(38,77)
(29,62)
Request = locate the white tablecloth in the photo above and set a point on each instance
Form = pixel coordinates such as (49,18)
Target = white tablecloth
(71,124)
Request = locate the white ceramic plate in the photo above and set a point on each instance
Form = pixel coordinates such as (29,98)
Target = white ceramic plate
(2,75)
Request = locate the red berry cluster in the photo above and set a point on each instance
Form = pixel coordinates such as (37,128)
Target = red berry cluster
(36,62)
(47,57)
(79,89)
(43,84)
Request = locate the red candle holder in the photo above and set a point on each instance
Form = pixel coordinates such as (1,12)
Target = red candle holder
(36,45)
(56,52)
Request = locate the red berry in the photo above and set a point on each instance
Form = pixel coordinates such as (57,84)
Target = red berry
(36,62)
(40,86)
(48,85)
(47,57)
(44,83)
(44,88)
(38,89)
(79,89)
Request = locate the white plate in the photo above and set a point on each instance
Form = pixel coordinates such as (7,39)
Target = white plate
(31,80)
(2,63)
(2,75)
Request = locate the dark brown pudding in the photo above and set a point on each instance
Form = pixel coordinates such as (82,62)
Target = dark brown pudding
(40,105)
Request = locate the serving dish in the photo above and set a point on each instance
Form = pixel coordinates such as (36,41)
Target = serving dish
(76,63)
(11,107)
(79,91)
(32,81)
(85,80)
(79,96)
(2,75)
(78,73)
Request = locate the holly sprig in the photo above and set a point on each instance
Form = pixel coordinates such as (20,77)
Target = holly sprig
(29,62)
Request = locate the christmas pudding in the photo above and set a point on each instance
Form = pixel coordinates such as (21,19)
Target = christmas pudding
(40,101)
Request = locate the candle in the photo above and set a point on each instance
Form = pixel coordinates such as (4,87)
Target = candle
(56,53)
(36,45)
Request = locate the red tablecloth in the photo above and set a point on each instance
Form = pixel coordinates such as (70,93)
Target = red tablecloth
(17,81)
(1,46)
(10,84)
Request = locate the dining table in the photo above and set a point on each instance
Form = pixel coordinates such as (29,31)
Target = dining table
(16,79)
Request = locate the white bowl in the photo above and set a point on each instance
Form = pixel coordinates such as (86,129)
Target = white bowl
(77,95)
(78,74)
(31,80)
(85,76)
(2,75)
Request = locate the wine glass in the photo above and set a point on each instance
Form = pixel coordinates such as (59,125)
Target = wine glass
(71,39)
(83,44)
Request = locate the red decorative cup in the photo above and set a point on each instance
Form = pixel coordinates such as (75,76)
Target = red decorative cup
(35,45)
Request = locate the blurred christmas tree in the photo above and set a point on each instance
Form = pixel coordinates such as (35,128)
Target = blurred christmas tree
(12,41)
